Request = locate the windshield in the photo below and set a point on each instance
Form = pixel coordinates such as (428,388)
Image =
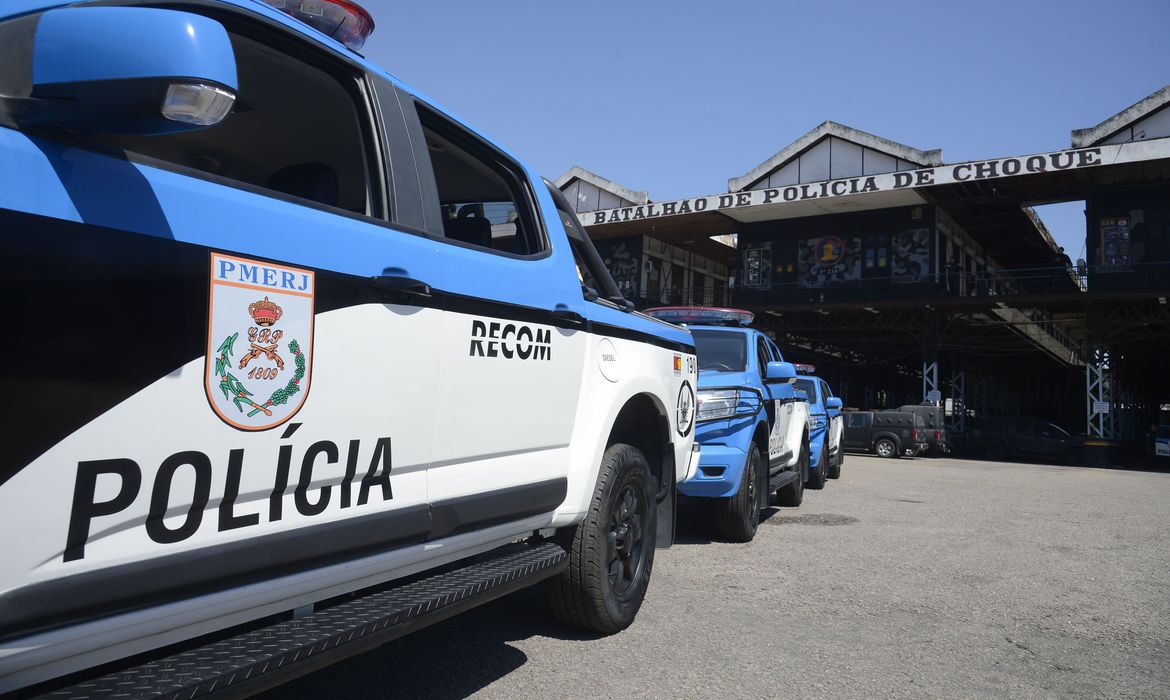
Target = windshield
(720,351)
(808,387)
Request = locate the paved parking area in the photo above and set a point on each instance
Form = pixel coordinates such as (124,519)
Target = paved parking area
(909,578)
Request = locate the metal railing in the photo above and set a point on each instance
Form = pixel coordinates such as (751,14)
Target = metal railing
(959,284)
(1016,282)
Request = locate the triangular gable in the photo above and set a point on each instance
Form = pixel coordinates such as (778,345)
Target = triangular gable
(885,156)
(607,193)
(1146,119)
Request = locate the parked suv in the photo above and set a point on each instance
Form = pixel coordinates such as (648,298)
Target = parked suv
(292,337)
(826,426)
(937,441)
(753,426)
(1026,438)
(885,433)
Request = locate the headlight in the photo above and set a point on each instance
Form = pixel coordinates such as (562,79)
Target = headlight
(818,422)
(727,403)
(717,404)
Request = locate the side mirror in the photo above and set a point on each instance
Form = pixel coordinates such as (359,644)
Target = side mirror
(833,403)
(780,371)
(126,70)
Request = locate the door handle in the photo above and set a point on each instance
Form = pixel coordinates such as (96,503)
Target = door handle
(566,315)
(397,285)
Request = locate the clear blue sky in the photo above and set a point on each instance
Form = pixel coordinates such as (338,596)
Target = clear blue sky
(676,97)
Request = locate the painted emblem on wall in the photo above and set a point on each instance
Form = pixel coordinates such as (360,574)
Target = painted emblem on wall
(830,250)
(259,341)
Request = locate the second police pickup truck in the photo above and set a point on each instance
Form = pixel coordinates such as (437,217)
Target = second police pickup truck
(753,426)
(303,361)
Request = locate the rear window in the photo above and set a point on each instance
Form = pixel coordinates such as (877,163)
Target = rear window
(721,352)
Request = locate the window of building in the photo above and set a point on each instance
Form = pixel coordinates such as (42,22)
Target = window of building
(483,195)
(876,255)
(296,129)
(699,284)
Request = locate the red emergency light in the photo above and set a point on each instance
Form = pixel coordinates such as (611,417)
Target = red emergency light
(805,369)
(702,315)
(343,20)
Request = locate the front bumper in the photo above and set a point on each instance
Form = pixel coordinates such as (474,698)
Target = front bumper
(720,468)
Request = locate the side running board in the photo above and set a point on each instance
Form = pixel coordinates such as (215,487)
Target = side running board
(781,479)
(266,657)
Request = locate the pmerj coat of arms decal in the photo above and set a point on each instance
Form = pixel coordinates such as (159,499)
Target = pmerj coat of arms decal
(259,341)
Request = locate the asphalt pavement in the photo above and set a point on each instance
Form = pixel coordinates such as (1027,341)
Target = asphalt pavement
(904,578)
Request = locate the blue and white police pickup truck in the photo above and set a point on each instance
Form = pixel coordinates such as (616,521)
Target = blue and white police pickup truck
(299,361)
(826,426)
(753,426)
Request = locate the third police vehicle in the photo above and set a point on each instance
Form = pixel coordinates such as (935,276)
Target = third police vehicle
(303,361)
(826,425)
(753,426)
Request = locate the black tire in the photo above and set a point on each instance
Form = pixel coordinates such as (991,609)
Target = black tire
(738,517)
(885,447)
(792,495)
(611,552)
(835,465)
(818,474)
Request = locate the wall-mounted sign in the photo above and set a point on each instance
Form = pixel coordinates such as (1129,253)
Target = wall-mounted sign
(1072,159)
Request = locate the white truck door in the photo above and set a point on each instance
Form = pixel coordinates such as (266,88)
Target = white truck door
(513,341)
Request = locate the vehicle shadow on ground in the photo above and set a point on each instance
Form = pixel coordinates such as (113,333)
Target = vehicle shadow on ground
(452,659)
(1126,463)
(458,657)
(696,523)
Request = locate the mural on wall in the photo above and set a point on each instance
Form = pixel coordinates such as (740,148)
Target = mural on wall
(911,253)
(829,260)
(623,259)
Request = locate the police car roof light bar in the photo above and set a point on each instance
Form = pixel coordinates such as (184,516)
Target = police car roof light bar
(343,20)
(702,315)
(805,369)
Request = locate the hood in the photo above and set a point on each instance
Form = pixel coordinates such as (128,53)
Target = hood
(711,379)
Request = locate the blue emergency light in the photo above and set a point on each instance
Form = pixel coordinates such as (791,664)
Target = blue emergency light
(702,315)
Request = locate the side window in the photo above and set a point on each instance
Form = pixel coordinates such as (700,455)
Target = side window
(763,356)
(855,420)
(775,352)
(297,129)
(591,271)
(825,391)
(484,196)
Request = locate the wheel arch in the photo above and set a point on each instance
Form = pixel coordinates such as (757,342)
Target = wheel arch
(760,438)
(642,422)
